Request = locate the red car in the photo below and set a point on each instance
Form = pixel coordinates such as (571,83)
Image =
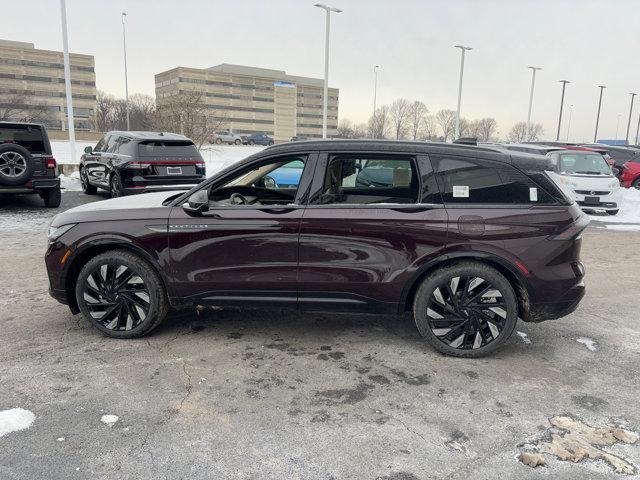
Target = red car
(630,173)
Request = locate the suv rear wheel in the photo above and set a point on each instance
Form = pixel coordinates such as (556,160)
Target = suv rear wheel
(121,295)
(86,186)
(16,164)
(52,197)
(116,187)
(466,310)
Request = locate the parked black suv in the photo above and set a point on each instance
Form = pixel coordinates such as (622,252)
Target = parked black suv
(26,162)
(135,162)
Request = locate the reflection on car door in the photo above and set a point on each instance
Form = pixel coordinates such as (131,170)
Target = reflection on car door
(360,246)
(238,253)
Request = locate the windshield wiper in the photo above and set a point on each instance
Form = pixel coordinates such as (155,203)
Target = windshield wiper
(592,173)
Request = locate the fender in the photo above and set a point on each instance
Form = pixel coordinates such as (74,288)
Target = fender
(482,255)
(115,240)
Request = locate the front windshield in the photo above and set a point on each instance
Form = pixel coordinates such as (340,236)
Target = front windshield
(583,162)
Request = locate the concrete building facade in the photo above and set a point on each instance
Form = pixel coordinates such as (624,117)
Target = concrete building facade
(35,78)
(250,99)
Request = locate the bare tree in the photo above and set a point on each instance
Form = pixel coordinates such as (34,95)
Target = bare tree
(19,108)
(400,114)
(519,133)
(464,128)
(103,114)
(379,123)
(360,130)
(486,128)
(345,128)
(446,120)
(188,114)
(141,111)
(418,112)
(428,130)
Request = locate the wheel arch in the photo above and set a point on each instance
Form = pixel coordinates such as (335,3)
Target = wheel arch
(95,247)
(515,277)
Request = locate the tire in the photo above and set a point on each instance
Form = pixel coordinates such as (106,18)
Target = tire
(130,310)
(86,186)
(613,212)
(218,141)
(251,142)
(115,186)
(52,197)
(16,164)
(471,331)
(270,142)
(636,183)
(238,141)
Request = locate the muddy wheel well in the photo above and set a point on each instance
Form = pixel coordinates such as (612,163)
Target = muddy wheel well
(518,287)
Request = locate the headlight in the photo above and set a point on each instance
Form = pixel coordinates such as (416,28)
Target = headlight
(568,182)
(614,184)
(56,232)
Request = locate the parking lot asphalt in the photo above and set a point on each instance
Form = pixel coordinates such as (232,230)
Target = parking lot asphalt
(254,395)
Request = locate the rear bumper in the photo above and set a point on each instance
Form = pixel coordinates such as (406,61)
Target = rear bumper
(140,185)
(563,306)
(32,186)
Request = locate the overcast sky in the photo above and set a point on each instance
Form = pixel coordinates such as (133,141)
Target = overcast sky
(588,42)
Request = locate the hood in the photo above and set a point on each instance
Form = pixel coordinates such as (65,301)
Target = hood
(143,206)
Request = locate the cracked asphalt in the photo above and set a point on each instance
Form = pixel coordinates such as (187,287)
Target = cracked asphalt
(262,395)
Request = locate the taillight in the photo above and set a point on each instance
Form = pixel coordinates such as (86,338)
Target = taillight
(138,165)
(573,230)
(50,162)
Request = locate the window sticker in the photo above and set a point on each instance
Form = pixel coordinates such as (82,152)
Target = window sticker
(461,191)
(533,194)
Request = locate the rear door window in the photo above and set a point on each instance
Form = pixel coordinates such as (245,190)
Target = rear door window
(470,181)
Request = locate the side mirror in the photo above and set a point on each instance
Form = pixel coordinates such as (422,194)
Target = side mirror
(198,203)
(88,149)
(269,182)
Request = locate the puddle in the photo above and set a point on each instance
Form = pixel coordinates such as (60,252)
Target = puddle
(569,439)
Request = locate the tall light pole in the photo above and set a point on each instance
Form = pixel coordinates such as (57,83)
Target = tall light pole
(375,88)
(617,127)
(533,84)
(463,49)
(626,140)
(67,82)
(637,130)
(564,84)
(325,101)
(569,122)
(126,80)
(595,134)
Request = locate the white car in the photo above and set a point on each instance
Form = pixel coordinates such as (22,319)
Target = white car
(589,179)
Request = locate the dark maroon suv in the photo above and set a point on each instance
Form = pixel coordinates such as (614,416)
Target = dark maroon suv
(468,238)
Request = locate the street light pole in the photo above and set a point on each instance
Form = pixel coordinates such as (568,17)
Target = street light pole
(564,84)
(617,127)
(626,141)
(595,135)
(67,82)
(325,101)
(126,80)
(569,123)
(533,84)
(637,130)
(375,88)
(463,49)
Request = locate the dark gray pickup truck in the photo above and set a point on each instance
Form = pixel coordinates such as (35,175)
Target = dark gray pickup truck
(26,162)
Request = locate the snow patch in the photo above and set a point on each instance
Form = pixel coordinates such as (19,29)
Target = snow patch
(62,151)
(628,218)
(70,183)
(109,419)
(14,420)
(524,337)
(588,342)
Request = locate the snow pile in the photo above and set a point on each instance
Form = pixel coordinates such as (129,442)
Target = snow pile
(14,420)
(62,151)
(217,157)
(628,218)
(109,419)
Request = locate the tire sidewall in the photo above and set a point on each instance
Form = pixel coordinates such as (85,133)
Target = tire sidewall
(52,198)
(115,186)
(437,278)
(149,277)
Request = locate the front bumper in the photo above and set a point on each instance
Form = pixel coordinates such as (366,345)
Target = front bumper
(611,201)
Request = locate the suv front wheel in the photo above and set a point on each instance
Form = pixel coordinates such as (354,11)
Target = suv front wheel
(84,182)
(121,295)
(116,187)
(466,310)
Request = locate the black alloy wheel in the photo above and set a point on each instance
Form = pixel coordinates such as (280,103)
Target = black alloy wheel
(116,187)
(121,294)
(84,182)
(467,310)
